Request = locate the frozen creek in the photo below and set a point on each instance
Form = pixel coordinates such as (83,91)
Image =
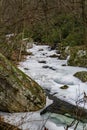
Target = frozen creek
(50,73)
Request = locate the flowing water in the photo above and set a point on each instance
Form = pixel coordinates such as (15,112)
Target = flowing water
(51,73)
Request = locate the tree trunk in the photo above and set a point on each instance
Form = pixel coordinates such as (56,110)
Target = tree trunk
(83,20)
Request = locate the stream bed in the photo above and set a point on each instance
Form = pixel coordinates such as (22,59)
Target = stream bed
(51,73)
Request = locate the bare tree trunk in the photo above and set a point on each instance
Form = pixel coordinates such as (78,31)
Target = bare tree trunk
(84,20)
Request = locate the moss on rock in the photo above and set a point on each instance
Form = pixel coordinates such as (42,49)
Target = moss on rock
(64,87)
(82,75)
(78,56)
(18,92)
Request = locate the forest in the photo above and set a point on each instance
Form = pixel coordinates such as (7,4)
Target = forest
(51,22)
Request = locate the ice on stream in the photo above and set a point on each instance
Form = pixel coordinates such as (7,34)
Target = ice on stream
(50,75)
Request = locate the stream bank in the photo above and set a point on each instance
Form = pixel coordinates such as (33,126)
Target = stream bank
(51,73)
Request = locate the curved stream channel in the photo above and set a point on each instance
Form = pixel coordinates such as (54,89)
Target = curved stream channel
(51,73)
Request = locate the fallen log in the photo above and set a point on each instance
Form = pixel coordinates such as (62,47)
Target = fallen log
(62,107)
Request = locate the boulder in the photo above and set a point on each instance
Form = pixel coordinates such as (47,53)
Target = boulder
(18,92)
(64,87)
(82,75)
(78,56)
(42,61)
(54,56)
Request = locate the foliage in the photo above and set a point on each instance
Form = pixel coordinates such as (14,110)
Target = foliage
(73,39)
(66,29)
(46,22)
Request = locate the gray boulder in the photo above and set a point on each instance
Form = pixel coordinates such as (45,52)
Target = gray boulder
(18,92)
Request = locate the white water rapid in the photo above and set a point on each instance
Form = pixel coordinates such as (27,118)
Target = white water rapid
(51,74)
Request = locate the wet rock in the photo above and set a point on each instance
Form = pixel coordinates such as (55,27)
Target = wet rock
(44,54)
(64,87)
(45,66)
(49,67)
(18,92)
(54,56)
(82,75)
(54,46)
(26,68)
(40,50)
(52,68)
(63,64)
(43,61)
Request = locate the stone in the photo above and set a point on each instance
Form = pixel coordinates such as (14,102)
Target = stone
(48,67)
(26,68)
(54,56)
(78,56)
(82,75)
(63,64)
(41,50)
(18,92)
(45,66)
(64,87)
(43,61)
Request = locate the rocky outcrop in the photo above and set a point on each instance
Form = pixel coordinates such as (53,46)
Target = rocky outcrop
(63,50)
(18,92)
(78,56)
(82,75)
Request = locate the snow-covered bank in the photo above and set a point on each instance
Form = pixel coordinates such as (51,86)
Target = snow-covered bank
(51,75)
